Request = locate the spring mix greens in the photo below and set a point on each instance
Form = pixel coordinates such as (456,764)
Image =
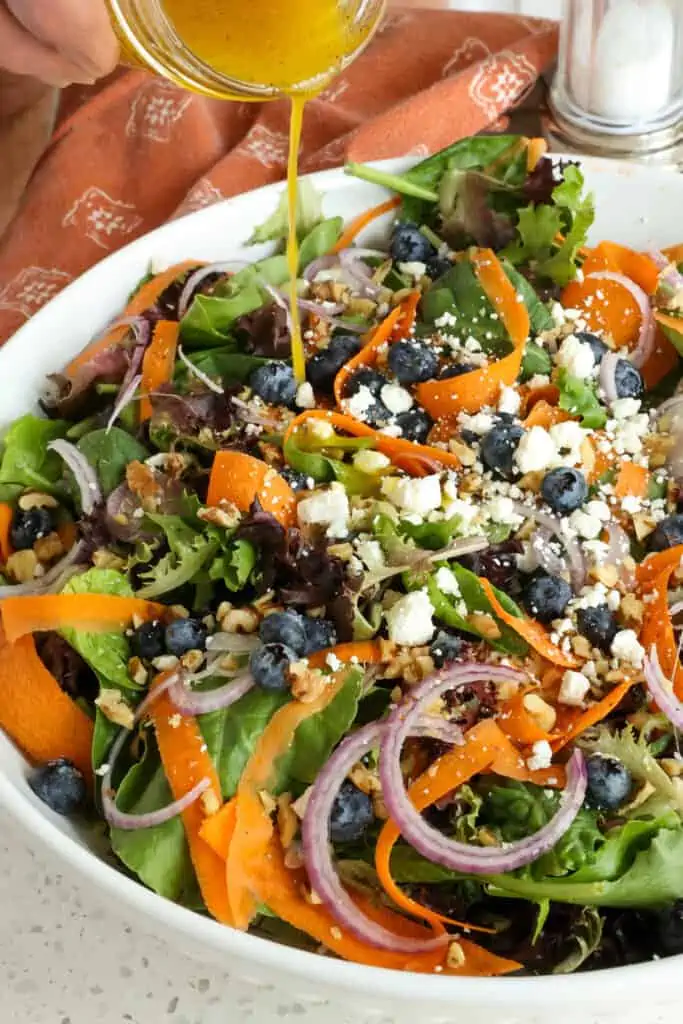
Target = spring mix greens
(384,663)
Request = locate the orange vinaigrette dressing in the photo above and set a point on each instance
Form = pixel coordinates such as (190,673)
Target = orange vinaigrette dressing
(293,46)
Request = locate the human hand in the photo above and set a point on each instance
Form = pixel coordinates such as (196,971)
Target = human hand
(57,41)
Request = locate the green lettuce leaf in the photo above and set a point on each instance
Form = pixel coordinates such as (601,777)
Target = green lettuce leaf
(570,215)
(580,398)
(535,360)
(26,462)
(235,566)
(109,452)
(320,240)
(475,600)
(190,551)
(106,653)
(159,856)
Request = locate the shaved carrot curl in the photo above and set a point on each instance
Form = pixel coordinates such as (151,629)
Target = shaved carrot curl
(361,222)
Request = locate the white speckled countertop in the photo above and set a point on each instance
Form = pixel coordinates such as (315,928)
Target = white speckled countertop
(66,960)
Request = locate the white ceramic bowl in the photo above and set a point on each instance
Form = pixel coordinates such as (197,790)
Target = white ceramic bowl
(636,206)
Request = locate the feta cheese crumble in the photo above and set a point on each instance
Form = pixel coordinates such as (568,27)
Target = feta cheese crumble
(409,620)
(328,508)
(419,496)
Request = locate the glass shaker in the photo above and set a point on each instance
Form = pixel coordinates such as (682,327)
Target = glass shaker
(618,88)
(245,49)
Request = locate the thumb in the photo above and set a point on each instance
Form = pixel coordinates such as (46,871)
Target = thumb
(80,30)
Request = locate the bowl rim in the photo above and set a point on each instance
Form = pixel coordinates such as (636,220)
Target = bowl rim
(591,990)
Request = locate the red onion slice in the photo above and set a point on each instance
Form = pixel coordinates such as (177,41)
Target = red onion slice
(126,396)
(197,276)
(318,856)
(130,822)
(646,337)
(546,558)
(670,280)
(189,702)
(53,580)
(199,374)
(554,526)
(430,842)
(661,689)
(359,275)
(84,474)
(608,380)
(317,266)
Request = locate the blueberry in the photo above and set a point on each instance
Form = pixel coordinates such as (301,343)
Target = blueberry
(545,597)
(445,647)
(275,384)
(183,635)
(597,347)
(351,815)
(320,634)
(28,527)
(148,640)
(409,245)
(498,449)
(412,361)
(669,929)
(598,625)
(296,480)
(60,785)
(629,383)
(326,364)
(609,782)
(668,534)
(368,378)
(269,665)
(414,425)
(565,489)
(455,370)
(438,266)
(288,628)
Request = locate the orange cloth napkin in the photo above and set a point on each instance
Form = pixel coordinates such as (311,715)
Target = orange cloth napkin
(135,150)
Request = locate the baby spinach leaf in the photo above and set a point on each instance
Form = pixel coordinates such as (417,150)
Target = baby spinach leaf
(159,856)
(26,461)
(224,363)
(535,360)
(231,735)
(320,240)
(432,536)
(580,398)
(109,452)
(106,653)
(209,319)
(318,735)
(474,599)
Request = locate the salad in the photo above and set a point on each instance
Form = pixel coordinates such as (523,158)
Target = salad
(383,663)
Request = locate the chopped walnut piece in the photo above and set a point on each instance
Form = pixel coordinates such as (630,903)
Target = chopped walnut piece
(49,548)
(104,559)
(35,499)
(544,714)
(287,821)
(484,624)
(23,566)
(114,707)
(240,620)
(224,514)
(307,683)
